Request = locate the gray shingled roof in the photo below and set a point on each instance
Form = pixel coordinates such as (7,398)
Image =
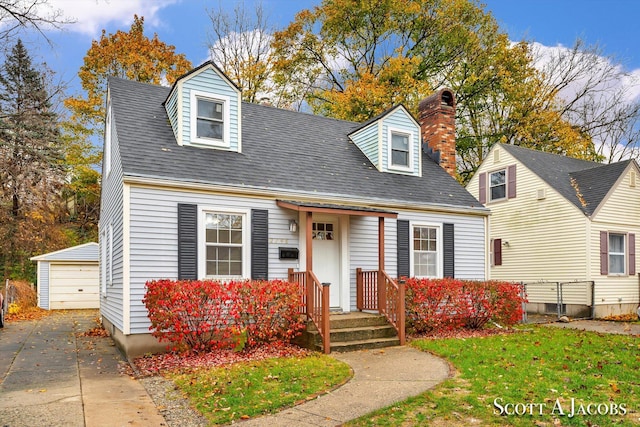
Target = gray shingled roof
(281,150)
(566,175)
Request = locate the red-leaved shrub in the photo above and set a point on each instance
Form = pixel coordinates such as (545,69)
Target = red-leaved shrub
(447,304)
(269,311)
(203,315)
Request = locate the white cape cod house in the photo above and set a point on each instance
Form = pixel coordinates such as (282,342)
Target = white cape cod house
(197,184)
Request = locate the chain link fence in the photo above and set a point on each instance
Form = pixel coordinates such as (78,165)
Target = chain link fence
(573,299)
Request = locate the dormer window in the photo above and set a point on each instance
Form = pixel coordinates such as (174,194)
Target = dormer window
(400,150)
(210,119)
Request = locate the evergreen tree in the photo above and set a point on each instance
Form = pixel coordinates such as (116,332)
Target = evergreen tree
(31,168)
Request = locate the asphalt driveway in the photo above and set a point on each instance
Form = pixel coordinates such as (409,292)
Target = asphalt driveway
(49,376)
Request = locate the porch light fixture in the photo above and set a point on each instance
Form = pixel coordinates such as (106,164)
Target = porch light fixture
(293,226)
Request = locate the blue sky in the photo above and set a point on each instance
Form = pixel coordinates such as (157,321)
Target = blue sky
(184,23)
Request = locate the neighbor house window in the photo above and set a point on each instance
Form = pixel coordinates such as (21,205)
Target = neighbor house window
(224,241)
(497,185)
(399,150)
(210,119)
(616,253)
(426,253)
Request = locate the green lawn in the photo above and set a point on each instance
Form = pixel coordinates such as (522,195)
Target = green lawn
(532,378)
(255,388)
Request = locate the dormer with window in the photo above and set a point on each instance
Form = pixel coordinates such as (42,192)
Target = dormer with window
(391,141)
(204,109)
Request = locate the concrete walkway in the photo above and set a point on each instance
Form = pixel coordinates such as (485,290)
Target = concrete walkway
(51,377)
(381,378)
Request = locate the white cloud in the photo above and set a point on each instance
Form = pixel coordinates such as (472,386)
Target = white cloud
(92,16)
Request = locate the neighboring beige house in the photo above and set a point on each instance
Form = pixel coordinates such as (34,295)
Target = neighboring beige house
(560,219)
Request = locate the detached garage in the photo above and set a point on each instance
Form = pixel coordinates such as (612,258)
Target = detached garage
(69,278)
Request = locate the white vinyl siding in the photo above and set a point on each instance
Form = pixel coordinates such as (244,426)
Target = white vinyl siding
(43,285)
(547,238)
(368,141)
(111,214)
(154,237)
(207,83)
(617,215)
(399,122)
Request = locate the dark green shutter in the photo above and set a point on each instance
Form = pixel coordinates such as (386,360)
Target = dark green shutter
(403,248)
(187,241)
(449,250)
(259,244)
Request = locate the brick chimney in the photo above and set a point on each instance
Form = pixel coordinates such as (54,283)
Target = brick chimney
(437,117)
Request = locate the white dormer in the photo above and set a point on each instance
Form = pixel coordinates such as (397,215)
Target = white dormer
(204,109)
(391,141)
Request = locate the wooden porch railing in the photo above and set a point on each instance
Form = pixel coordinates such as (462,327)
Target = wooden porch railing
(314,302)
(375,290)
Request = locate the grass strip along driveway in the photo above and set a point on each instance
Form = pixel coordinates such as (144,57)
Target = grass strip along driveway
(541,377)
(248,389)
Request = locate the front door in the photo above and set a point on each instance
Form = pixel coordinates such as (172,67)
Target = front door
(326,256)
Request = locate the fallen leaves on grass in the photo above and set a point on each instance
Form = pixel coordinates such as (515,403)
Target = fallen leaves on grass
(157,363)
(464,333)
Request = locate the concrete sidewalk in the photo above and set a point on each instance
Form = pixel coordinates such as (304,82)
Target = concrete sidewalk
(51,377)
(381,378)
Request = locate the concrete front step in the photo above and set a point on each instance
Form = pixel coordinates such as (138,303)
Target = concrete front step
(363,344)
(354,331)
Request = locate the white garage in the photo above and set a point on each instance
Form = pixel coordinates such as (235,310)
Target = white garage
(69,278)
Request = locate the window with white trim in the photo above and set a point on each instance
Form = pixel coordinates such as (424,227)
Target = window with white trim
(210,119)
(224,244)
(617,253)
(497,185)
(400,152)
(427,254)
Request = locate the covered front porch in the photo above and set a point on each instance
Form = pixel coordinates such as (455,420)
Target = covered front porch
(322,235)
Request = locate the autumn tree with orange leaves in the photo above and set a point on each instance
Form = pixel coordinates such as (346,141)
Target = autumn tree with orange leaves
(352,60)
(130,55)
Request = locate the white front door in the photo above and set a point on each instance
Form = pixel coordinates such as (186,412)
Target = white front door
(326,256)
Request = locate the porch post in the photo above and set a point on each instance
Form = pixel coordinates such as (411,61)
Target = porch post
(309,261)
(382,294)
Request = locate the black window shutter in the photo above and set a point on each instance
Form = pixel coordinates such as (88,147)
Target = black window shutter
(259,244)
(187,241)
(448,243)
(403,248)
